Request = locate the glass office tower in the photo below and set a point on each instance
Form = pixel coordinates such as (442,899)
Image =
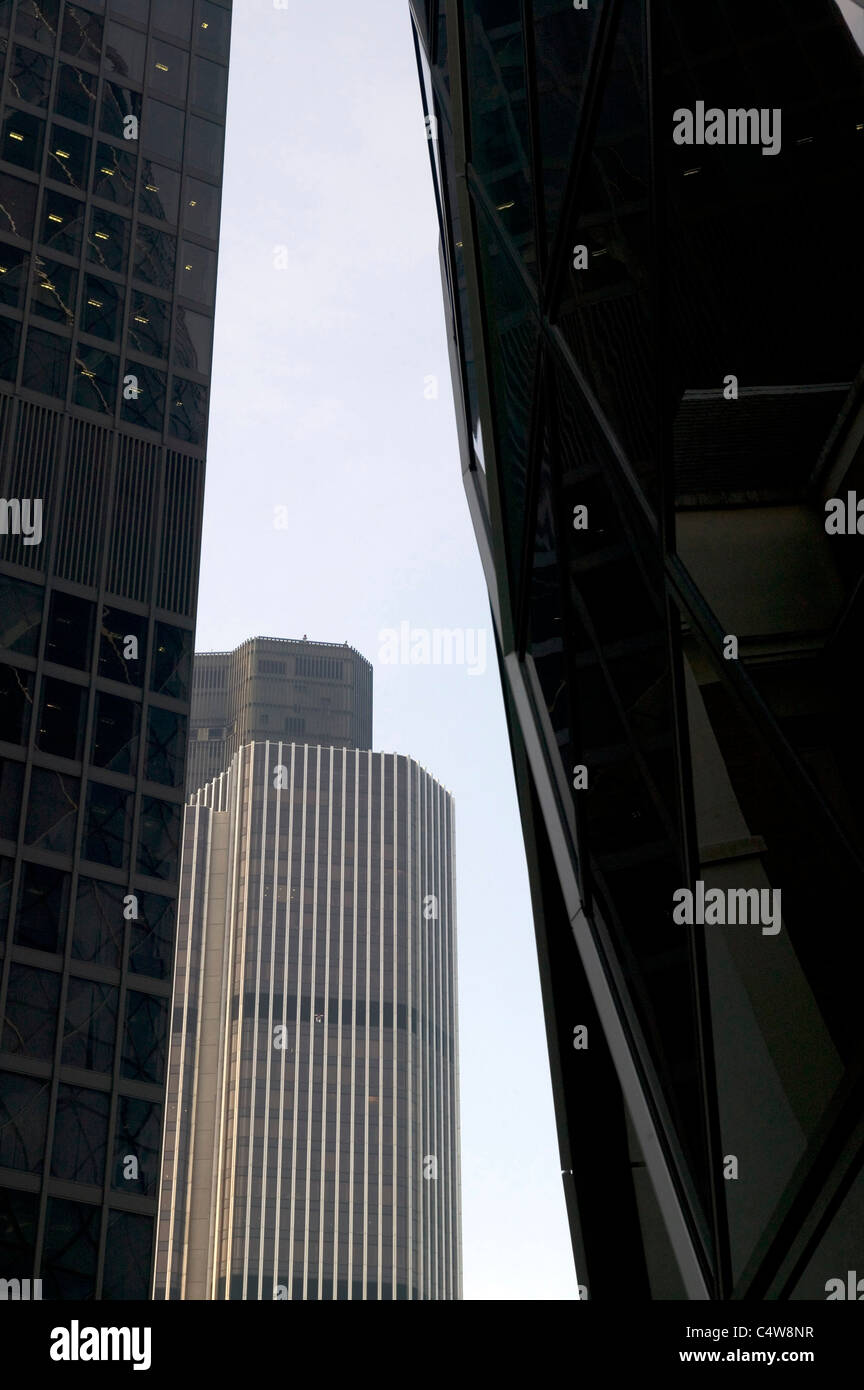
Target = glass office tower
(110,167)
(312,1129)
(649,217)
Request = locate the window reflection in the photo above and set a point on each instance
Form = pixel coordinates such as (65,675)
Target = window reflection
(108,241)
(124,51)
(114,175)
(95,379)
(118,103)
(75,96)
(68,157)
(143,401)
(22,139)
(149,322)
(101,307)
(29,76)
(168,70)
(160,191)
(54,289)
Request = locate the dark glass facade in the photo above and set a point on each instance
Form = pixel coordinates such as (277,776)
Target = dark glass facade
(649,216)
(111,136)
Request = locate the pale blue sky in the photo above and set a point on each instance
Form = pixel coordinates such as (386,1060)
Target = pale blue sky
(319,405)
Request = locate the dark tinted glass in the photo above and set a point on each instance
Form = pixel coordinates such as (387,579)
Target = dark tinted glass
(10,334)
(30,1022)
(11,788)
(159,843)
(70,631)
(188,413)
(71,1249)
(17,206)
(152,948)
(20,612)
(82,34)
(90,1025)
(204,141)
(143,401)
(128,1254)
(54,289)
(193,338)
(61,718)
(173,19)
(172,661)
(23,137)
(23,1121)
(13,276)
(115,733)
(76,94)
(209,88)
(95,379)
(62,223)
(37,19)
(155,255)
(201,209)
(80,1134)
(149,325)
(160,191)
(16,702)
(98,929)
(168,71)
(108,241)
(166,747)
(122,646)
(138,1135)
(106,828)
(18,1216)
(124,51)
(162,131)
(43,905)
(114,175)
(101,308)
(197,273)
(46,364)
(118,104)
(68,157)
(29,76)
(212,32)
(52,811)
(144,1037)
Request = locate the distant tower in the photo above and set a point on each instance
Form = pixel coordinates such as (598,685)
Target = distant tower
(312,1133)
(270,687)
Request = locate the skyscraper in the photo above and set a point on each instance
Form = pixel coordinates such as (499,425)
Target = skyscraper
(648,214)
(312,1132)
(317,692)
(110,170)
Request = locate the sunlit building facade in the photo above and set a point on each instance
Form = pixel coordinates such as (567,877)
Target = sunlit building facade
(651,268)
(312,1131)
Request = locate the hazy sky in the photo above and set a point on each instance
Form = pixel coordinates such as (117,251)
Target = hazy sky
(319,406)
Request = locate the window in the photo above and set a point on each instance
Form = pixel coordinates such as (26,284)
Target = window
(82,34)
(43,904)
(204,141)
(155,255)
(212,33)
(122,646)
(75,96)
(174,19)
(97,934)
(160,191)
(168,71)
(172,661)
(32,1002)
(17,206)
(193,337)
(166,747)
(54,289)
(22,139)
(71,1244)
(90,1025)
(162,131)
(62,223)
(151,951)
(209,86)
(139,1134)
(115,734)
(95,379)
(124,51)
(106,827)
(29,76)
(37,20)
(70,631)
(61,718)
(201,209)
(108,241)
(14,266)
(143,401)
(23,1121)
(159,846)
(149,323)
(197,278)
(20,612)
(101,308)
(46,364)
(11,785)
(16,701)
(80,1134)
(118,103)
(68,157)
(144,1037)
(114,175)
(188,414)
